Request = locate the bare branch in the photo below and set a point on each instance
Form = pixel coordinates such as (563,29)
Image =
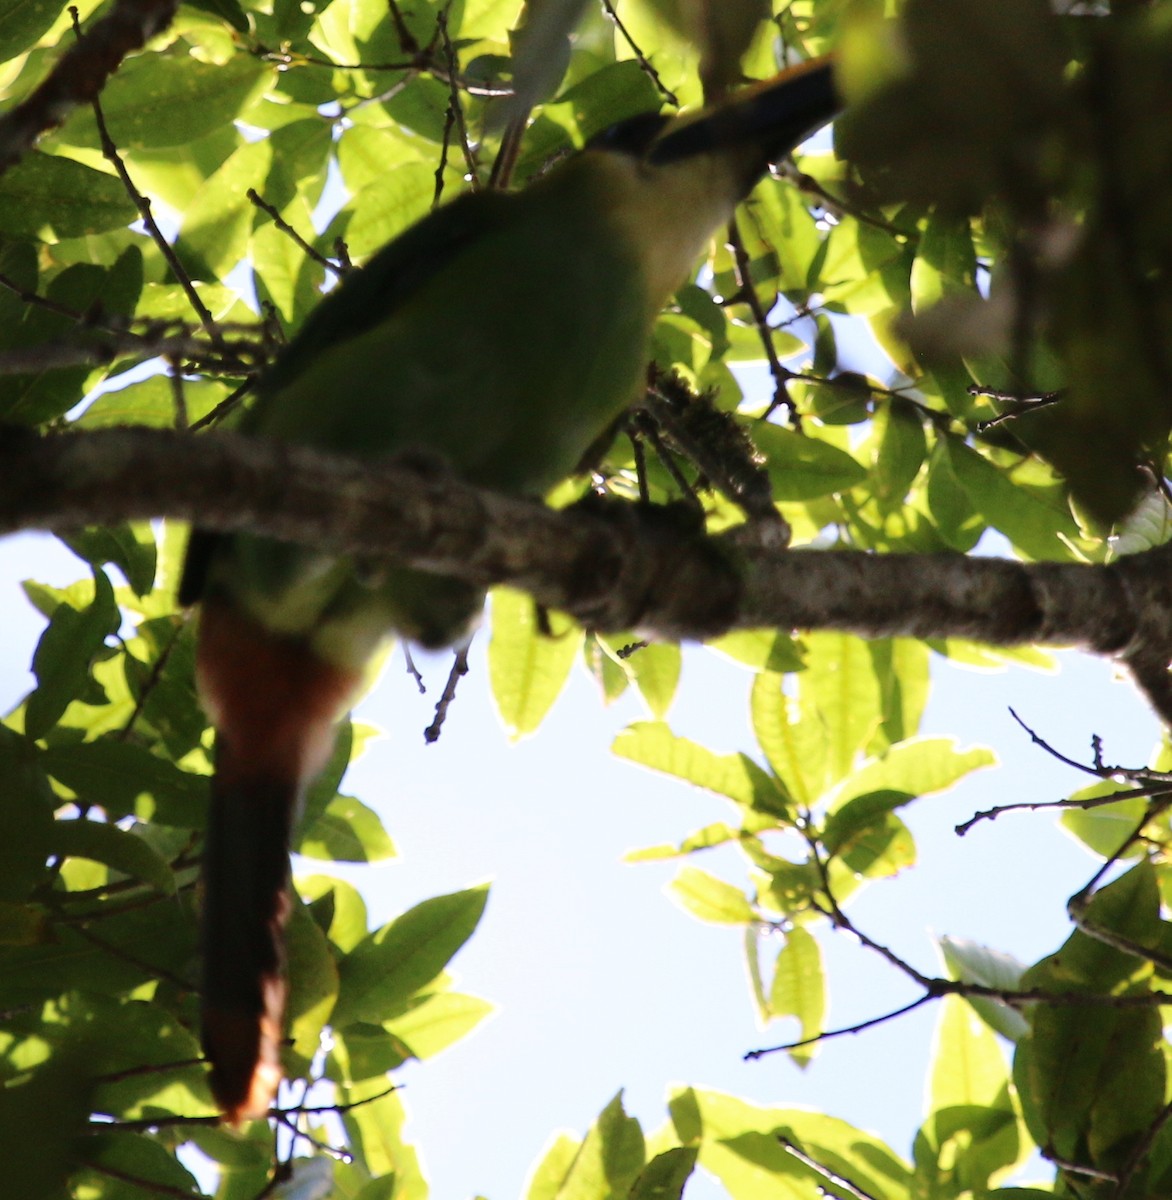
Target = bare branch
(146,213)
(747,292)
(642,59)
(458,671)
(256,199)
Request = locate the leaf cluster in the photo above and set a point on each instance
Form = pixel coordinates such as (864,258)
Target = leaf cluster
(1003,181)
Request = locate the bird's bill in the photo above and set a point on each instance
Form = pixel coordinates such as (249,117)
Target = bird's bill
(776,114)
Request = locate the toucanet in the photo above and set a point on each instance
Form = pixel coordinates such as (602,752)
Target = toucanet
(504,333)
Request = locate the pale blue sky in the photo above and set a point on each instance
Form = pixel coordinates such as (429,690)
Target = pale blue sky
(601,982)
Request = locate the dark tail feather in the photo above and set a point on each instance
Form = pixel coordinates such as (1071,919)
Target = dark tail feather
(246,907)
(274,703)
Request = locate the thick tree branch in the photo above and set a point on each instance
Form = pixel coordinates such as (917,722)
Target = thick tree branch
(612,566)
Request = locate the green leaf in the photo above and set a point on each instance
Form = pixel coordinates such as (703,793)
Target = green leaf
(313,984)
(383,209)
(26,817)
(347,831)
(799,989)
(902,667)
(169,99)
(228,10)
(973,963)
(548,1175)
(608,95)
(793,737)
(609,1160)
(337,906)
(971,1132)
(716,834)
(666,1175)
(375,1131)
(652,744)
(152,402)
(50,198)
(527,668)
(946,263)
(1031,521)
(64,654)
(1091,1077)
(218,219)
(868,837)
(1129,908)
(130,1156)
(752,949)
(968,1066)
(900,449)
(1091,1080)
(656,672)
(841,681)
(916,767)
(125,779)
(709,898)
(118,849)
(761,649)
(610,674)
(1106,828)
(130,546)
(386,968)
(739,1145)
(949,504)
(23,23)
(802,468)
(362,1051)
(42,1120)
(441,1019)
(43,394)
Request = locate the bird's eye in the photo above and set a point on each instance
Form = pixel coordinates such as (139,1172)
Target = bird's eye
(632,136)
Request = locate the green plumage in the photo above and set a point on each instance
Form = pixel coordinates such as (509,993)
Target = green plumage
(408,355)
(503,334)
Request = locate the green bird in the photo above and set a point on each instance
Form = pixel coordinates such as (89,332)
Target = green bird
(504,333)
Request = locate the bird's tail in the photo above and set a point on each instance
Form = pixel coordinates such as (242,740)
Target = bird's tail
(245,908)
(274,704)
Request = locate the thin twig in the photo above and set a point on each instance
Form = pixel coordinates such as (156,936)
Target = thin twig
(827,1034)
(1139,1152)
(287,229)
(422,63)
(150,969)
(178,396)
(829,1175)
(224,408)
(143,204)
(441,25)
(147,1069)
(137,1181)
(458,671)
(640,57)
(747,293)
(152,680)
(991,814)
(413,670)
(1018,405)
